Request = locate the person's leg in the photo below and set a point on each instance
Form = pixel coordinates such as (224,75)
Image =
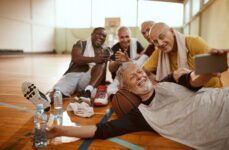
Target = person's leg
(97,75)
(67,84)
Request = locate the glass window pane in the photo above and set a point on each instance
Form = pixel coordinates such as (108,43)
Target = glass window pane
(186,30)
(187,11)
(169,13)
(205,1)
(124,9)
(195,6)
(73,13)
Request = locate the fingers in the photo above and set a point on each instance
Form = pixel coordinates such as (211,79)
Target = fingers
(218,51)
(218,74)
(121,56)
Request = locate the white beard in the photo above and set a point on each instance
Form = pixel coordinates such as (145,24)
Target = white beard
(148,86)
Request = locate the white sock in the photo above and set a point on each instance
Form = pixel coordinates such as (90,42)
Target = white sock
(90,88)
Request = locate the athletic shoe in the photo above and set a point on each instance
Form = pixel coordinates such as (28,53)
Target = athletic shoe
(101,97)
(86,97)
(31,92)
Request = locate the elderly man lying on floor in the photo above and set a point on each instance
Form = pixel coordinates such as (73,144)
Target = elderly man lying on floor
(182,111)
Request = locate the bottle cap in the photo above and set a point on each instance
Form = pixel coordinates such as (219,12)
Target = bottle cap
(40,106)
(57,89)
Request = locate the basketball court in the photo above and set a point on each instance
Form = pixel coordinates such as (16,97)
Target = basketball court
(35,46)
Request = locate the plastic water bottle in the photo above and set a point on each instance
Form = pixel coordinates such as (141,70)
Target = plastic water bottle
(58,103)
(40,122)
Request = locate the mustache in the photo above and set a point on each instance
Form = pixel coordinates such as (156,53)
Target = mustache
(141,81)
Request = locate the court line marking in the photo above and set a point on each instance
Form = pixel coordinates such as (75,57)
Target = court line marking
(17,107)
(105,118)
(126,144)
(87,142)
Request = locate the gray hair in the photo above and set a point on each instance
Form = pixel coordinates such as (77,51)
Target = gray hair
(120,72)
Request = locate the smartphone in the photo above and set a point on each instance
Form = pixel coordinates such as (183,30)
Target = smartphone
(207,63)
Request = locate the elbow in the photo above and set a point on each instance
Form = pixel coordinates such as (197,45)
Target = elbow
(77,61)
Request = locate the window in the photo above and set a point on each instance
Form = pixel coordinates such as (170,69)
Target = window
(195,6)
(124,9)
(205,1)
(73,13)
(92,13)
(169,13)
(187,11)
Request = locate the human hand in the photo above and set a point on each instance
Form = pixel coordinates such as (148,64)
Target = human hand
(53,131)
(101,58)
(121,56)
(218,51)
(179,72)
(107,51)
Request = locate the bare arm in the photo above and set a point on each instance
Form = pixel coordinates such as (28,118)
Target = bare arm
(120,57)
(194,80)
(78,58)
(79,132)
(200,80)
(113,66)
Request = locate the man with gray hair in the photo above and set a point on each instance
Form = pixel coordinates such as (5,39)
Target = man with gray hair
(180,111)
(125,50)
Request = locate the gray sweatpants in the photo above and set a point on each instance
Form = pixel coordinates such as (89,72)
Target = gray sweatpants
(73,81)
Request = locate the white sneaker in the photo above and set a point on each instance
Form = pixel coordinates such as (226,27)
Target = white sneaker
(101,97)
(86,97)
(31,92)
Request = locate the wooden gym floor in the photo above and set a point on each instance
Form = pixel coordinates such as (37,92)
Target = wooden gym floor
(16,113)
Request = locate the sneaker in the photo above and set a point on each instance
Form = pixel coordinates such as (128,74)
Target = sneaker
(86,97)
(31,93)
(101,97)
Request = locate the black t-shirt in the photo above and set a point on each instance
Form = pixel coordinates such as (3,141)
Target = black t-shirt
(149,50)
(117,46)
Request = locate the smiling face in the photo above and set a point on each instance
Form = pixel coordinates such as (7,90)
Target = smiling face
(162,37)
(124,37)
(98,37)
(136,80)
(145,28)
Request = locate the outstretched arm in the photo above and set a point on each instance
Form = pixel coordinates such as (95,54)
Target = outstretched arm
(189,79)
(80,132)
(202,79)
(131,122)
